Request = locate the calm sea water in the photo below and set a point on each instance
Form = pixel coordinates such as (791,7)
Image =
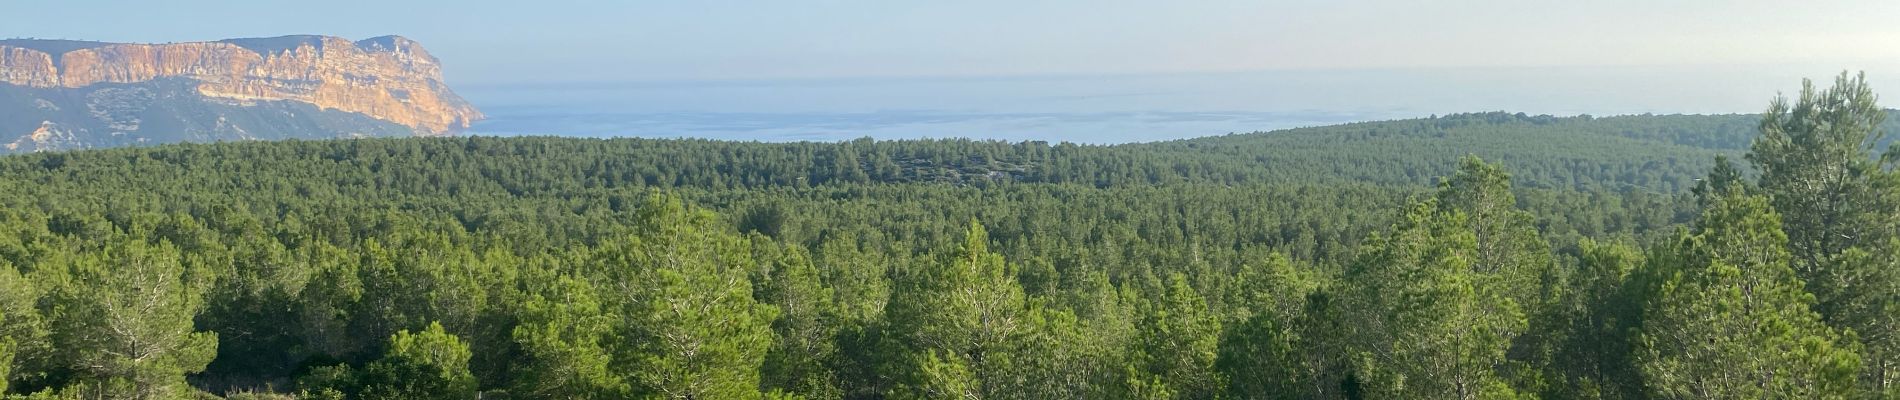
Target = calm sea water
(1106,109)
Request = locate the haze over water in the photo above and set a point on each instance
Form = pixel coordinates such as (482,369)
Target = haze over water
(1109,108)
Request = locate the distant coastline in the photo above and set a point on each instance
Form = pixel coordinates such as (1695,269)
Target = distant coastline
(1100,109)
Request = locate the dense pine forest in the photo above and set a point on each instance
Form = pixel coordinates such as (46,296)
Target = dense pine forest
(1470,256)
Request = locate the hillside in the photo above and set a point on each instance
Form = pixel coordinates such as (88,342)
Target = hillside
(58,94)
(410,267)
(1657,153)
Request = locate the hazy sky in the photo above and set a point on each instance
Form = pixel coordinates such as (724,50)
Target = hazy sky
(508,41)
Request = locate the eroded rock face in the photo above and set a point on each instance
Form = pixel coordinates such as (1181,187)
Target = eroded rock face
(388,78)
(49,136)
(27,67)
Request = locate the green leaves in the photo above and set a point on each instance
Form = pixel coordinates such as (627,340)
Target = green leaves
(1731,320)
(952,328)
(805,350)
(564,333)
(1280,351)
(1815,167)
(1840,207)
(1433,304)
(1595,325)
(124,321)
(438,349)
(1179,340)
(1236,267)
(691,325)
(7,353)
(431,364)
(20,325)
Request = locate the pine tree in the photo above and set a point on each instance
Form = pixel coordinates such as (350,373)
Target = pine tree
(1599,317)
(1815,167)
(1093,331)
(952,327)
(431,364)
(1840,208)
(20,325)
(1433,305)
(1063,357)
(563,333)
(1722,179)
(1510,253)
(1266,354)
(695,329)
(1731,320)
(125,321)
(1422,322)
(6,357)
(800,359)
(1871,309)
(860,291)
(1179,341)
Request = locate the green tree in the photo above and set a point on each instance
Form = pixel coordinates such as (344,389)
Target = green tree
(325,304)
(20,325)
(564,333)
(1816,169)
(693,326)
(6,357)
(404,379)
(1731,320)
(1510,252)
(1838,207)
(1266,354)
(1600,315)
(1179,341)
(801,358)
(431,364)
(1722,179)
(124,321)
(1871,309)
(258,340)
(1423,322)
(860,290)
(1083,348)
(435,346)
(1066,357)
(1434,305)
(952,327)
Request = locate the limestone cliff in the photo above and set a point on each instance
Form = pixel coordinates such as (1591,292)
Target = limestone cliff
(391,79)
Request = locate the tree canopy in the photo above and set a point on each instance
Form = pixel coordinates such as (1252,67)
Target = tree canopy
(1486,255)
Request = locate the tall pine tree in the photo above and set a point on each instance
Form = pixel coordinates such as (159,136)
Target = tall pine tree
(1841,210)
(124,321)
(952,327)
(694,329)
(1731,321)
(1433,305)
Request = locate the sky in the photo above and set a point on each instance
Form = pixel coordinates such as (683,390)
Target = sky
(511,41)
(1100,71)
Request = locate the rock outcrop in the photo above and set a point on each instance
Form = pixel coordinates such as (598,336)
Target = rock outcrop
(390,78)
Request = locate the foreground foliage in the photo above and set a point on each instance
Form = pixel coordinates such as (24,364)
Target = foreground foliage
(1305,264)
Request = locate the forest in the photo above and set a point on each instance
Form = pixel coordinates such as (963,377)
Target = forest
(1468,256)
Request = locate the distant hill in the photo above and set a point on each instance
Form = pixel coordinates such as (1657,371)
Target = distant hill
(65,94)
(1657,152)
(1653,153)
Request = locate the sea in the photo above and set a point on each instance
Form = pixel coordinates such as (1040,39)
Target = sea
(1109,108)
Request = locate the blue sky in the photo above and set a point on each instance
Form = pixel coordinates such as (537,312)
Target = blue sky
(500,42)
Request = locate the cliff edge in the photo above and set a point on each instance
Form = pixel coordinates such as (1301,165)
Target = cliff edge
(390,79)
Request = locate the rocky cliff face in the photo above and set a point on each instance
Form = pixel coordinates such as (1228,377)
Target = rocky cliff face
(390,79)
